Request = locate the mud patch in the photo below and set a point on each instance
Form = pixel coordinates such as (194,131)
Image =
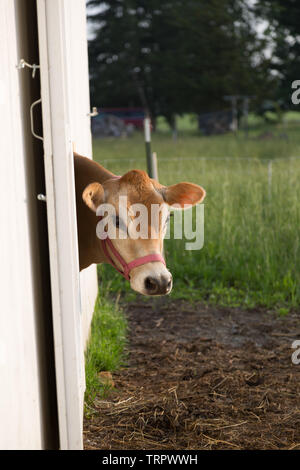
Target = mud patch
(202,378)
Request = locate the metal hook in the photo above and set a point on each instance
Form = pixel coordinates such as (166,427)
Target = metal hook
(31,119)
(22,64)
(94,112)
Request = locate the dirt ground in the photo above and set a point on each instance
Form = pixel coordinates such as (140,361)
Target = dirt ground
(201,377)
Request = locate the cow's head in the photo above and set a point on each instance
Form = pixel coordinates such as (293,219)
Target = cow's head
(135,187)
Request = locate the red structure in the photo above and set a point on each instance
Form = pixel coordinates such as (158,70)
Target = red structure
(133,116)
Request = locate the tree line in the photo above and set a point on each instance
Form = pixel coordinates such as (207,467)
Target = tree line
(178,56)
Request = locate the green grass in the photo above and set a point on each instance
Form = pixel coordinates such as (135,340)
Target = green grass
(187,122)
(189,145)
(251,254)
(105,351)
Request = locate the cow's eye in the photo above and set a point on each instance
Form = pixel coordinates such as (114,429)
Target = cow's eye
(120,224)
(117,221)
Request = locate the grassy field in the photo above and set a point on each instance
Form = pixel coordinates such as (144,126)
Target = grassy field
(105,351)
(251,252)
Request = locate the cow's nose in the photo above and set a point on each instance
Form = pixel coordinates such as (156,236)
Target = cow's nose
(158,285)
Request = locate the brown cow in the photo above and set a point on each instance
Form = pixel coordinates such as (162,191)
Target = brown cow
(94,186)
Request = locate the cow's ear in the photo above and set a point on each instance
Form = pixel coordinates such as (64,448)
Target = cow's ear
(183,195)
(93,195)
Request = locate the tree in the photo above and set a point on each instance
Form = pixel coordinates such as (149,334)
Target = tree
(283,17)
(174,56)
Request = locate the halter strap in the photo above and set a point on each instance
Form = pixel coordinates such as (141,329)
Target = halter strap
(127,267)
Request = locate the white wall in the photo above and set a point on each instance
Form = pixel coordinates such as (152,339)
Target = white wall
(21,414)
(24,378)
(78,88)
(65,108)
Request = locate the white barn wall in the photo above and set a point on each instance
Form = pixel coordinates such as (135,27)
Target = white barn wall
(65,108)
(78,88)
(21,405)
(24,392)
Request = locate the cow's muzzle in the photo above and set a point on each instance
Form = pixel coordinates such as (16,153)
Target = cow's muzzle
(161,285)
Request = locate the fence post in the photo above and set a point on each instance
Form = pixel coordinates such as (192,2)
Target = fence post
(150,163)
(270,170)
(155,169)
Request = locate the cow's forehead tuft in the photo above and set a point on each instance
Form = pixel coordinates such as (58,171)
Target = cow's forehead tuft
(137,178)
(138,188)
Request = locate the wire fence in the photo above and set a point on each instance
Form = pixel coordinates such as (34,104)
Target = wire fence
(236,159)
(210,171)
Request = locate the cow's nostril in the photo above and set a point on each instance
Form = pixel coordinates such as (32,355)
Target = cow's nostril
(158,286)
(151,285)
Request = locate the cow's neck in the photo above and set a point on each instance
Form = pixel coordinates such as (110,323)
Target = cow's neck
(86,172)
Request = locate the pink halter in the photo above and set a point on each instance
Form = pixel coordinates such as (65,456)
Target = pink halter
(127,267)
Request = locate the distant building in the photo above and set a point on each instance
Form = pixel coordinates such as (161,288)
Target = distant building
(217,122)
(118,121)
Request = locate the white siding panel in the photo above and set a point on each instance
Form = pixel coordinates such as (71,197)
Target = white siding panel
(65,105)
(78,89)
(21,410)
(20,406)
